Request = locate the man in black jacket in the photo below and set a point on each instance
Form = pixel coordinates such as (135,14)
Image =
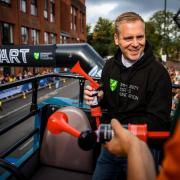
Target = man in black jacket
(135,87)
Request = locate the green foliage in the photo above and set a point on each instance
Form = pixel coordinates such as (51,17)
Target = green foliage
(102,37)
(164,34)
(153,38)
(89,34)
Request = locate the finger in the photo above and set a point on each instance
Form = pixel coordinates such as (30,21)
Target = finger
(100,94)
(87,92)
(88,98)
(119,130)
(116,126)
(115,123)
(88,87)
(88,103)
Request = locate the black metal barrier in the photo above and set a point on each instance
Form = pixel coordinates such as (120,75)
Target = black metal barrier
(33,109)
(34,80)
(18,143)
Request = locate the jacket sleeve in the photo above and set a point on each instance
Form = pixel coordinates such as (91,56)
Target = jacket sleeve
(158,100)
(159,105)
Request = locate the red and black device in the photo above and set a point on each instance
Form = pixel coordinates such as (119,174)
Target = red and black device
(87,139)
(95,108)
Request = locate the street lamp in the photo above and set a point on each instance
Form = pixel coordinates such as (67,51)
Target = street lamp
(164,52)
(177,18)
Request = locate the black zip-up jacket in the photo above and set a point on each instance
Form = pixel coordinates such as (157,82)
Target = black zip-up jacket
(139,94)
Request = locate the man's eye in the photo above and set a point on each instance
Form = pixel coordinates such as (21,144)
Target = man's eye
(140,37)
(128,38)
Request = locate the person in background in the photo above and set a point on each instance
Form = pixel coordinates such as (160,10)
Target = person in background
(19,76)
(1,109)
(174,75)
(1,78)
(135,88)
(12,78)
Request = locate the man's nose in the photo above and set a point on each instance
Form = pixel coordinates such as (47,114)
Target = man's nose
(135,42)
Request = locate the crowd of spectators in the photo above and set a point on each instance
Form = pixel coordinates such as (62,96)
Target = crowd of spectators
(175,79)
(8,78)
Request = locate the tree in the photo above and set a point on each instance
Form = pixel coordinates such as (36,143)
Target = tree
(102,37)
(89,34)
(153,38)
(166,31)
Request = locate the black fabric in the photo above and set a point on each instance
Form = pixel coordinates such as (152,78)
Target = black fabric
(49,173)
(143,93)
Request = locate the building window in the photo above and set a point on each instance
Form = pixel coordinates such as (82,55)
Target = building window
(73,18)
(46,38)
(34,7)
(52,11)
(63,39)
(35,36)
(71,26)
(53,38)
(82,20)
(46,9)
(23,5)
(7,33)
(24,35)
(6,2)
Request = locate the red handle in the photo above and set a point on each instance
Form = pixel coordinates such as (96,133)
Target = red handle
(141,132)
(158,134)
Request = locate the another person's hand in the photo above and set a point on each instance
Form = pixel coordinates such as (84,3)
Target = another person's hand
(122,141)
(88,95)
(140,160)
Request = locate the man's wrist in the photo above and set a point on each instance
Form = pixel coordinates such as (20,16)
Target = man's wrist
(135,144)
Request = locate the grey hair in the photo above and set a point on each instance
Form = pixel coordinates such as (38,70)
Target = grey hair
(127,16)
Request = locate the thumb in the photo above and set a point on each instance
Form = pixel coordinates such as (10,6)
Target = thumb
(116,126)
(88,87)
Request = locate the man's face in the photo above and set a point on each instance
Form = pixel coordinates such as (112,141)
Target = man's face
(131,39)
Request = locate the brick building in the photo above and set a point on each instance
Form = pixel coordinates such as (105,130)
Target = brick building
(42,22)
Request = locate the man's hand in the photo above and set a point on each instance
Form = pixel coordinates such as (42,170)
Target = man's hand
(88,95)
(122,141)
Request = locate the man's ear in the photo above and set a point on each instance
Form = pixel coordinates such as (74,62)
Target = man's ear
(116,39)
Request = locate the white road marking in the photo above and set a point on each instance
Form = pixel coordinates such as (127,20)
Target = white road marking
(13,111)
(39,99)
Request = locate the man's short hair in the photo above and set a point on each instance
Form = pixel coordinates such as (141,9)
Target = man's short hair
(127,16)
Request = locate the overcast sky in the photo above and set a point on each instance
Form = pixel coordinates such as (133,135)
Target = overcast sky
(110,9)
